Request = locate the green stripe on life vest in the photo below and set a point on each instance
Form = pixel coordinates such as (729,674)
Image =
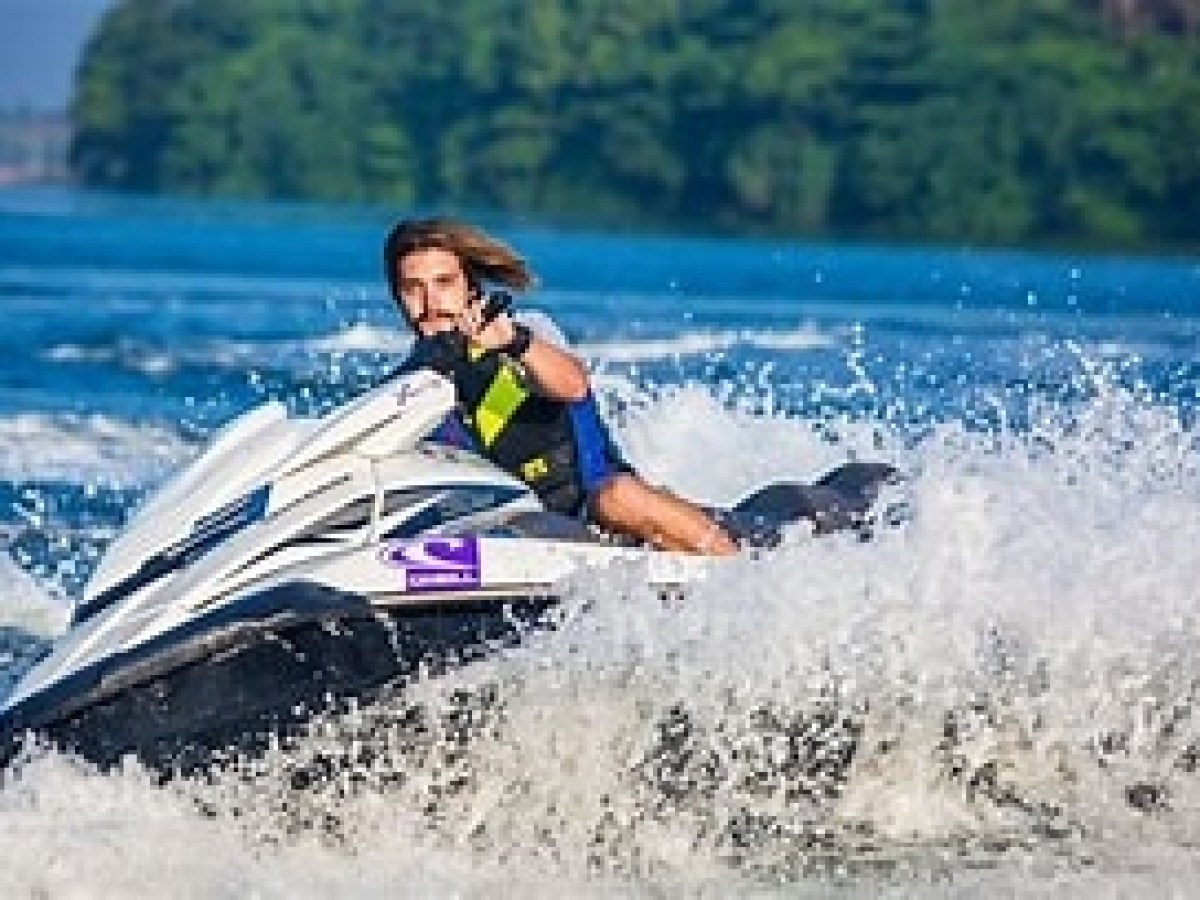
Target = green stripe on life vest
(503,398)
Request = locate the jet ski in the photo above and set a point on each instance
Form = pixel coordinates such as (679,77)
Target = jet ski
(301,563)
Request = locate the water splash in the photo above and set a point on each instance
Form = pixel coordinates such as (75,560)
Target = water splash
(1002,684)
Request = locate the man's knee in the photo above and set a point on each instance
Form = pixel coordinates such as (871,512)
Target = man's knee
(628,504)
(622,500)
(659,517)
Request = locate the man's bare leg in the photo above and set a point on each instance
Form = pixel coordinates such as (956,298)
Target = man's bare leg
(628,505)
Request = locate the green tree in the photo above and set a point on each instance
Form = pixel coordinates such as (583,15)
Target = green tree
(1049,121)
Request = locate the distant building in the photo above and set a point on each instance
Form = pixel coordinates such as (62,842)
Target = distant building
(34,147)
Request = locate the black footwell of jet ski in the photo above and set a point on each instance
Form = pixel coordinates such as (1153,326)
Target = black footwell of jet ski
(843,500)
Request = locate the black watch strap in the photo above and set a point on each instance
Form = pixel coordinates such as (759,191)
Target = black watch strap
(522,338)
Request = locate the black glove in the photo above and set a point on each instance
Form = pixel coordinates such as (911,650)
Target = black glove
(494,303)
(446,351)
(443,352)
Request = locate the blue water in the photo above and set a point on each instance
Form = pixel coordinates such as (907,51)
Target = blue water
(1044,405)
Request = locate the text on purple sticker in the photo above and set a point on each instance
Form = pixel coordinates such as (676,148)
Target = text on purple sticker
(436,563)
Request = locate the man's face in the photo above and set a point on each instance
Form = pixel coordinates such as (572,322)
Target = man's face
(433,289)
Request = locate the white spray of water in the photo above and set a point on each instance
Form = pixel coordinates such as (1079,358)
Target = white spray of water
(29,604)
(991,683)
(91,448)
(31,615)
(807,337)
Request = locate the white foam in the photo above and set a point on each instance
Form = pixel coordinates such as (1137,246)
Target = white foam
(361,337)
(28,604)
(72,833)
(149,286)
(31,615)
(356,337)
(697,343)
(157,361)
(82,448)
(685,437)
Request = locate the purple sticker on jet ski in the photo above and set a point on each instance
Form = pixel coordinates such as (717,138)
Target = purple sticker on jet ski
(435,563)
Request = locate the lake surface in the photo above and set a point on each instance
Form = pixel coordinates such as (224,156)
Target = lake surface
(1016,662)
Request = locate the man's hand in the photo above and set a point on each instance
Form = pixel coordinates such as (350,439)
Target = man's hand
(492,335)
(553,372)
(442,352)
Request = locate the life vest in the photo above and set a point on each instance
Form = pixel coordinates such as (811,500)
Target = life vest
(529,436)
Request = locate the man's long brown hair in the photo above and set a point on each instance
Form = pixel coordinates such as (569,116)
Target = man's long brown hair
(484,258)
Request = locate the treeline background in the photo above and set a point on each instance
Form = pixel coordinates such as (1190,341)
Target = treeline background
(1045,122)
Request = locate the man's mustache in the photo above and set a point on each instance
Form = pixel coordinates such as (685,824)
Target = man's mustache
(435,318)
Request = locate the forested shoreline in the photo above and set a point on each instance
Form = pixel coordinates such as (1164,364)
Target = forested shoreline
(1049,122)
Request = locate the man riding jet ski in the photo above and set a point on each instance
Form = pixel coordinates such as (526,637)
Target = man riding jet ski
(525,403)
(298,563)
(525,400)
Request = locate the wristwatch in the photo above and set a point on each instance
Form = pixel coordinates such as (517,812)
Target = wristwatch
(522,338)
